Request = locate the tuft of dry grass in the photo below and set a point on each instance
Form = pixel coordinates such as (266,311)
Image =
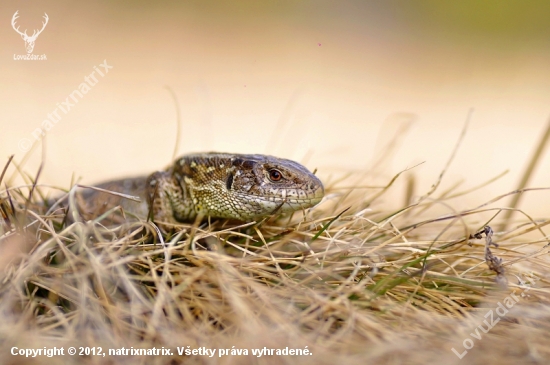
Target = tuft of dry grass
(350,280)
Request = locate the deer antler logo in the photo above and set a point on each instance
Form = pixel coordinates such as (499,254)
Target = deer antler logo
(29,41)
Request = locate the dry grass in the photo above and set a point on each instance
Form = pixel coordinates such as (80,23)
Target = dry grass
(350,280)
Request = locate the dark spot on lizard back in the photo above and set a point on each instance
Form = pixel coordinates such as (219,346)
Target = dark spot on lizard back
(229,181)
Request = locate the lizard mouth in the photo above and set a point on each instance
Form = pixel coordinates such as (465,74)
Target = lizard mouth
(283,202)
(292,203)
(306,202)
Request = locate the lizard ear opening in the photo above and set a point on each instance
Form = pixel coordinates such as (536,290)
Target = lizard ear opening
(229,181)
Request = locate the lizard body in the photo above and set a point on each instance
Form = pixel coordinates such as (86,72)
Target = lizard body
(217,185)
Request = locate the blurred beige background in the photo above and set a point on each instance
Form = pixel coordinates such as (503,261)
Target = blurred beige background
(325,83)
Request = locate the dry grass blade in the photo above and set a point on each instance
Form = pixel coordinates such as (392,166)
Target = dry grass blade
(529,170)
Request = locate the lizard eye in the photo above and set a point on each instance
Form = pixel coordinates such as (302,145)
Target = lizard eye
(275,175)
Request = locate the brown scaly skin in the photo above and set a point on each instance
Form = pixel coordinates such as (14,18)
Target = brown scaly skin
(217,185)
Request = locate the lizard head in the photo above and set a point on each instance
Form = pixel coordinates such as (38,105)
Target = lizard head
(247,187)
(267,184)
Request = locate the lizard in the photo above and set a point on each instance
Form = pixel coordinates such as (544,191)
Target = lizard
(217,185)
